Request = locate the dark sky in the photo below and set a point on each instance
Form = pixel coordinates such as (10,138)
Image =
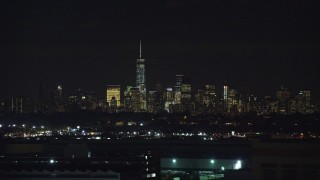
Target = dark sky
(90,44)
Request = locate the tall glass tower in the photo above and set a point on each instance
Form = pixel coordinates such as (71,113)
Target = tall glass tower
(141,80)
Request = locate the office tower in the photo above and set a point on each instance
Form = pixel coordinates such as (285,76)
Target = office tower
(127,99)
(159,98)
(113,97)
(304,102)
(169,100)
(210,94)
(59,91)
(225,97)
(233,101)
(185,94)
(141,80)
(151,101)
(210,98)
(245,103)
(42,99)
(57,99)
(283,96)
(200,101)
(177,90)
(136,98)
(293,105)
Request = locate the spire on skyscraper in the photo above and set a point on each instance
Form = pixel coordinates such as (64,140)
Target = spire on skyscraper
(140,50)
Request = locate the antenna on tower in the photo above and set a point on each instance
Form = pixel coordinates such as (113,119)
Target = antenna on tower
(140,50)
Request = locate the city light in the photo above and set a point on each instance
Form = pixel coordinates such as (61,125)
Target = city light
(238,165)
(212,161)
(51,161)
(174,160)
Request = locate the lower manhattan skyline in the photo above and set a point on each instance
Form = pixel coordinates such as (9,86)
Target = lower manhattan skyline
(259,46)
(168,89)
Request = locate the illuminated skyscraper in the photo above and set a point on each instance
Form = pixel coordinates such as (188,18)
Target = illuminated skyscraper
(127,99)
(169,100)
(185,94)
(159,99)
(113,95)
(42,99)
(58,103)
(304,102)
(177,89)
(141,81)
(135,99)
(233,101)
(225,96)
(151,101)
(210,94)
(283,96)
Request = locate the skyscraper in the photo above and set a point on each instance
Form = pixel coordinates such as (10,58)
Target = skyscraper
(177,89)
(127,99)
(141,80)
(58,103)
(42,99)
(283,96)
(113,96)
(159,98)
(185,94)
(304,102)
(225,97)
(135,99)
(169,100)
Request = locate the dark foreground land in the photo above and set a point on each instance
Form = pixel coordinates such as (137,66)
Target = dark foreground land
(160,159)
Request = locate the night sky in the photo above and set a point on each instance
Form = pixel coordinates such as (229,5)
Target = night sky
(90,44)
